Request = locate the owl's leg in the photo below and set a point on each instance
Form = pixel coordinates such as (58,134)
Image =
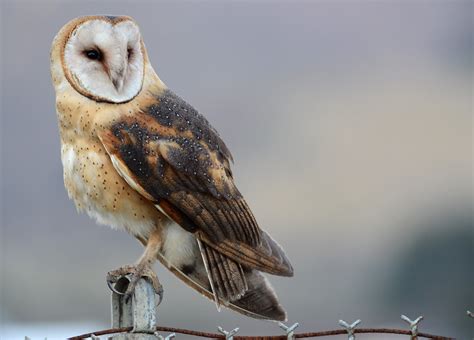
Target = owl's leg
(143,268)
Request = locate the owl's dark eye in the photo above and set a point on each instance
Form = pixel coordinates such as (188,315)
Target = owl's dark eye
(129,53)
(93,54)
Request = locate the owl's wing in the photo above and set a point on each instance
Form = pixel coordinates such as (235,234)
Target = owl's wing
(172,156)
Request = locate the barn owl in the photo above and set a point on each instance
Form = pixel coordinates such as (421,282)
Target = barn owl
(139,158)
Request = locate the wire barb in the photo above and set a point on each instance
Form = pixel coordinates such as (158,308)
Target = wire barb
(413,325)
(290,331)
(228,335)
(350,328)
(168,337)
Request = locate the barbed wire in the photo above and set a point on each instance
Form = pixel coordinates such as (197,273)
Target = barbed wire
(264,337)
(141,315)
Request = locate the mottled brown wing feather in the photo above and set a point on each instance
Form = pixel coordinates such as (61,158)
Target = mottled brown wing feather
(272,261)
(171,155)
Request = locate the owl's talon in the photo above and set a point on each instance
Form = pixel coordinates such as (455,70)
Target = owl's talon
(111,286)
(158,288)
(114,276)
(133,274)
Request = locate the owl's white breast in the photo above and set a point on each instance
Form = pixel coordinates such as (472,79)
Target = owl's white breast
(120,207)
(98,190)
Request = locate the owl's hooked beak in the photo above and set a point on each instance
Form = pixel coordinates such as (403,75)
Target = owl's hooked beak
(118,78)
(117,73)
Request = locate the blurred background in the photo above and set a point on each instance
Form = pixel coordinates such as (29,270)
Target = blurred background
(351,127)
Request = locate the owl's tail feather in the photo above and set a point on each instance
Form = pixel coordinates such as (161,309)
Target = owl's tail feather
(259,300)
(226,277)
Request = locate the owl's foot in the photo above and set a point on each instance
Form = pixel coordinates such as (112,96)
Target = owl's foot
(133,274)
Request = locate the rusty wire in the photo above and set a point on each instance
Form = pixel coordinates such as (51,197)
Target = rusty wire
(268,337)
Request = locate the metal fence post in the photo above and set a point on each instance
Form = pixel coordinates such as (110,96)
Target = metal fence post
(137,311)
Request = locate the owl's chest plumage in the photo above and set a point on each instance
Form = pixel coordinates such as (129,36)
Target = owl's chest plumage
(97,189)
(92,181)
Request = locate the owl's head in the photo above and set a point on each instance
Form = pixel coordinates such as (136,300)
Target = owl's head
(102,57)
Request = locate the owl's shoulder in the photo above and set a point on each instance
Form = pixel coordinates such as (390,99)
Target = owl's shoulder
(170,110)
